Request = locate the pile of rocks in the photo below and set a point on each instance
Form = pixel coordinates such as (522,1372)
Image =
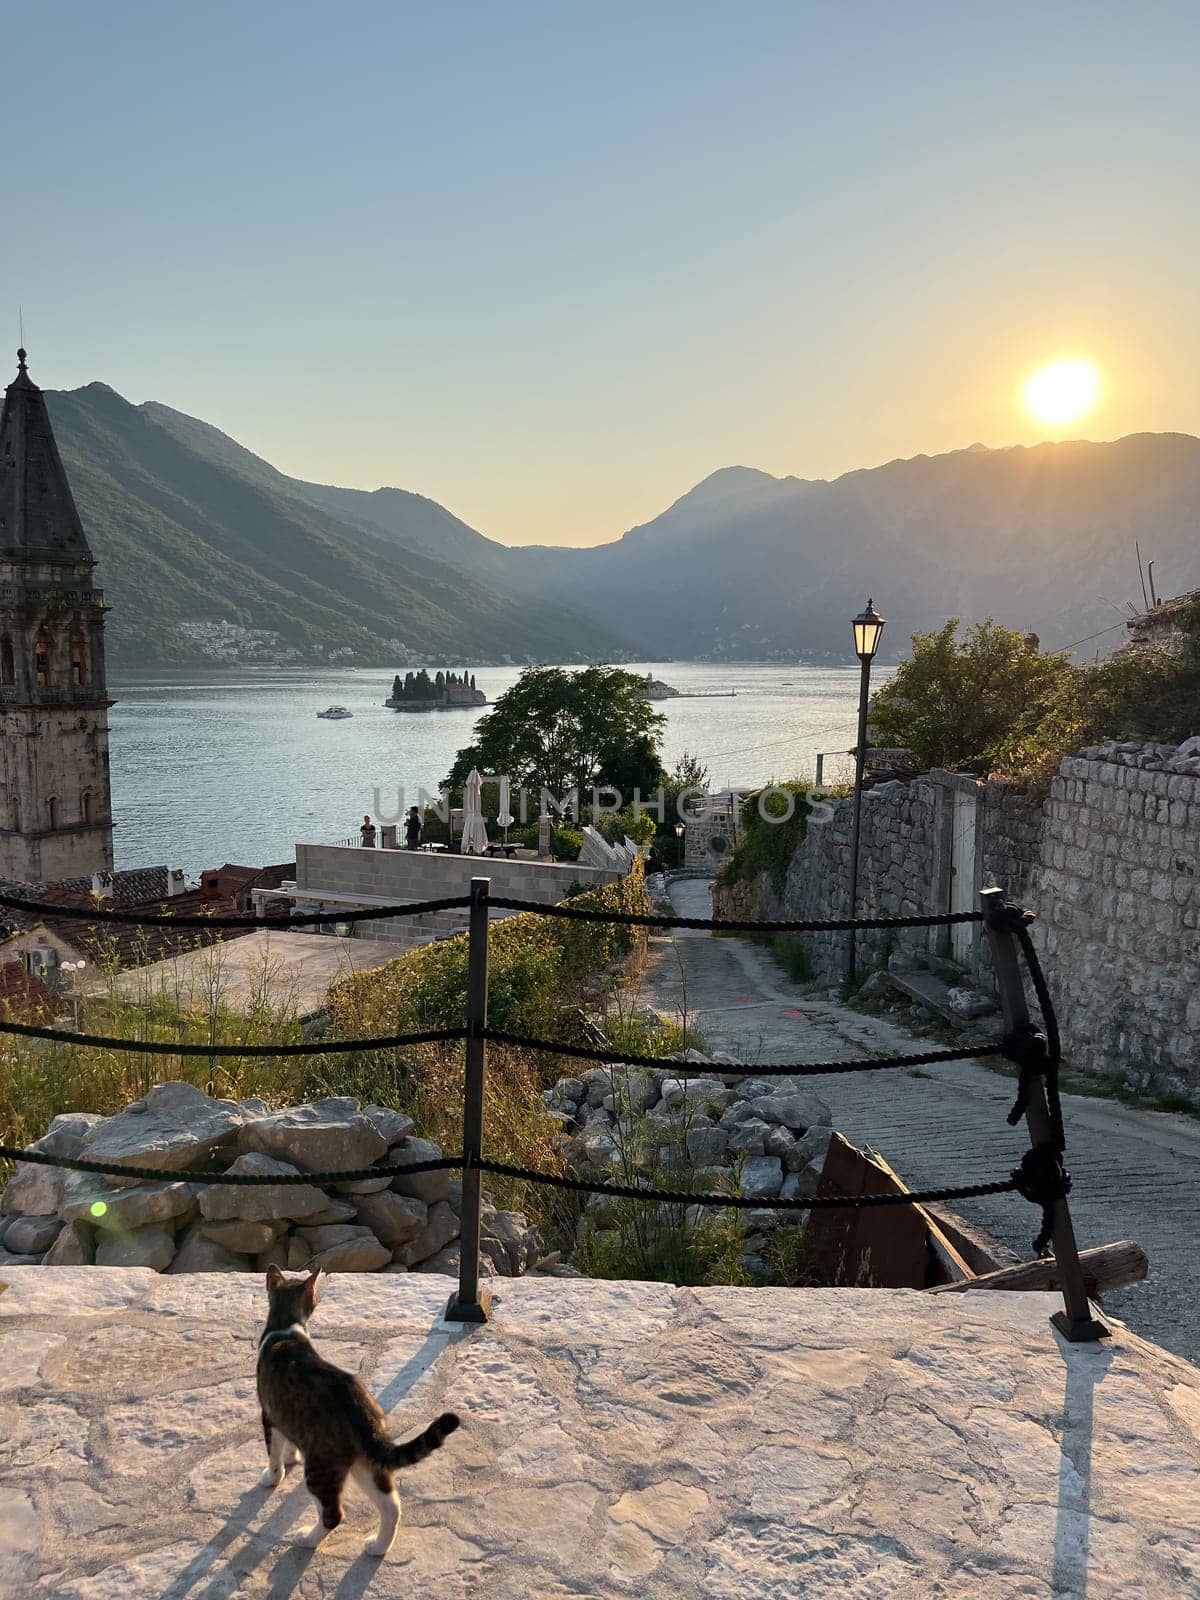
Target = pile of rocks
(727,1130)
(1181,759)
(395,1222)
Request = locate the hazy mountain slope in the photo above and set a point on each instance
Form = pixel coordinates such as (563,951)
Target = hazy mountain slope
(183,533)
(411,520)
(747,565)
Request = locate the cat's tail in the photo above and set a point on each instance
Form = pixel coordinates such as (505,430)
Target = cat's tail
(435,1435)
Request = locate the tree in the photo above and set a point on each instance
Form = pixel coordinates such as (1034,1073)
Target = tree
(959,703)
(563,730)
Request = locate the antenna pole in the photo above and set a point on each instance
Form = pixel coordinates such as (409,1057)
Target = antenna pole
(1138,551)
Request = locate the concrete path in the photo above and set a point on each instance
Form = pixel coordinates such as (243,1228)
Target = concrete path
(1136,1173)
(618,1440)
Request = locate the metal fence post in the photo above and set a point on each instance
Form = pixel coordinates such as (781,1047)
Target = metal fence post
(1076,1321)
(473,1301)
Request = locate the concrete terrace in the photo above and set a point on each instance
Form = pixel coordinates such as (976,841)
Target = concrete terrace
(618,1439)
(294,968)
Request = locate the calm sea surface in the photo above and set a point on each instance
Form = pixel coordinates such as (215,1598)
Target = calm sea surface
(211,766)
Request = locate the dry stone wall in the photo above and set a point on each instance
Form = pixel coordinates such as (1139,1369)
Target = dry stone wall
(1109,863)
(395,1222)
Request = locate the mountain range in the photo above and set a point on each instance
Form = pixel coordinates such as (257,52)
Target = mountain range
(190,527)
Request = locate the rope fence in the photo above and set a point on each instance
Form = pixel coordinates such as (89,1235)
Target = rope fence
(1041,1177)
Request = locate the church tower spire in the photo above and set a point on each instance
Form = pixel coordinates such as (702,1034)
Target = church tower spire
(55,807)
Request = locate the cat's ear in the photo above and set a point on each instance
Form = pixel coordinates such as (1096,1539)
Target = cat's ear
(274,1277)
(312,1288)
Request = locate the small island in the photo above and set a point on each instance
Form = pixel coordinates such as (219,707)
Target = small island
(417,691)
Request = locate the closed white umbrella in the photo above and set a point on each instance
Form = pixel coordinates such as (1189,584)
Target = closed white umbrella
(505,819)
(474,834)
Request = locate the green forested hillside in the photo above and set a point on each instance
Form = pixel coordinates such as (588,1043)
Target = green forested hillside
(185,533)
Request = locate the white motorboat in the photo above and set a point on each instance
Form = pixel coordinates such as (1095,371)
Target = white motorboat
(335,714)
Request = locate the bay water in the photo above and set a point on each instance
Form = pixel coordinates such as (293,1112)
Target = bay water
(216,765)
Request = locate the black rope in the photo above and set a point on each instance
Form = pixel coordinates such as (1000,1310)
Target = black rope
(1043,1181)
(639,919)
(165,1047)
(611,1055)
(165,919)
(627,1191)
(249,1180)
(504,1169)
(414,908)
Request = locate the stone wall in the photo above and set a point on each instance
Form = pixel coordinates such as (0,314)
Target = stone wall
(1109,864)
(329,876)
(1117,893)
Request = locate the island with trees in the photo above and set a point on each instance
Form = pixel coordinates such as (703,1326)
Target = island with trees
(417,691)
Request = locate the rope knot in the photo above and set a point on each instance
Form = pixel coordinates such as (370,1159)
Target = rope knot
(1043,1181)
(1009,918)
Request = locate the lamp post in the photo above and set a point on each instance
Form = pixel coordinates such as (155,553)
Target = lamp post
(868,630)
(680,835)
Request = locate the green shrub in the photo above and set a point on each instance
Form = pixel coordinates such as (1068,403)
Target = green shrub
(767,844)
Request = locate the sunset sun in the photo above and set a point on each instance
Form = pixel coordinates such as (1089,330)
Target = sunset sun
(1062,391)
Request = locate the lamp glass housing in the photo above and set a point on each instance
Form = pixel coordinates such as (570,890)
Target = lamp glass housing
(868,630)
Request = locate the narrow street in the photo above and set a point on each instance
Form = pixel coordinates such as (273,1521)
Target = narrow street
(1134,1171)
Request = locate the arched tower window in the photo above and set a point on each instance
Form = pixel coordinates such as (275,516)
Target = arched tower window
(52,811)
(8,664)
(43,660)
(80,663)
(85,807)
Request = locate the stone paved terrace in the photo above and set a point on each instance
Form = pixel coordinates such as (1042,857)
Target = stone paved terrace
(619,1439)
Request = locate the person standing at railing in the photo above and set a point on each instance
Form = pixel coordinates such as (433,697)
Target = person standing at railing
(367,832)
(412,829)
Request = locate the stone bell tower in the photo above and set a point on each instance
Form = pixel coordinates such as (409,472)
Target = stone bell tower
(55,808)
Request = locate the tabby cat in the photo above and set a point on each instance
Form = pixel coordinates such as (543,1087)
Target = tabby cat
(313,1409)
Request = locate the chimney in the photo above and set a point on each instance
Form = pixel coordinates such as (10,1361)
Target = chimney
(176,882)
(102,885)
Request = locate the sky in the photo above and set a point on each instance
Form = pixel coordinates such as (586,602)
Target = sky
(553,264)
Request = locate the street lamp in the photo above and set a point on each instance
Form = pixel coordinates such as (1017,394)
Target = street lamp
(868,630)
(680,833)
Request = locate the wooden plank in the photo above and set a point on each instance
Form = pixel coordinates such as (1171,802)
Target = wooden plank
(1108,1266)
(947,1253)
(885,1247)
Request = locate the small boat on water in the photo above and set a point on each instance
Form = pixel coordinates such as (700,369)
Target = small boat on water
(335,714)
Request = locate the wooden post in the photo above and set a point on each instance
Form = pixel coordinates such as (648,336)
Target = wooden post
(1076,1321)
(473,1301)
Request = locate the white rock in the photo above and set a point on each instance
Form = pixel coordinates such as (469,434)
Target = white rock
(100,1201)
(795,1108)
(74,1247)
(341,1248)
(64,1136)
(144,1247)
(31,1236)
(393,1125)
(762,1177)
(394,1219)
(33,1191)
(749,1138)
(813,1147)
(326,1136)
(222,1202)
(427,1186)
(243,1238)
(707,1146)
(175,1126)
(441,1228)
(199,1254)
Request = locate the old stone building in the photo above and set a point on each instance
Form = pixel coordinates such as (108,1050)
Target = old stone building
(55,810)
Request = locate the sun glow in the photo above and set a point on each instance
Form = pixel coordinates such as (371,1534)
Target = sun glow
(1062,391)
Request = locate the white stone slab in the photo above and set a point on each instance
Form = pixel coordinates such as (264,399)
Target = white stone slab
(617,1439)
